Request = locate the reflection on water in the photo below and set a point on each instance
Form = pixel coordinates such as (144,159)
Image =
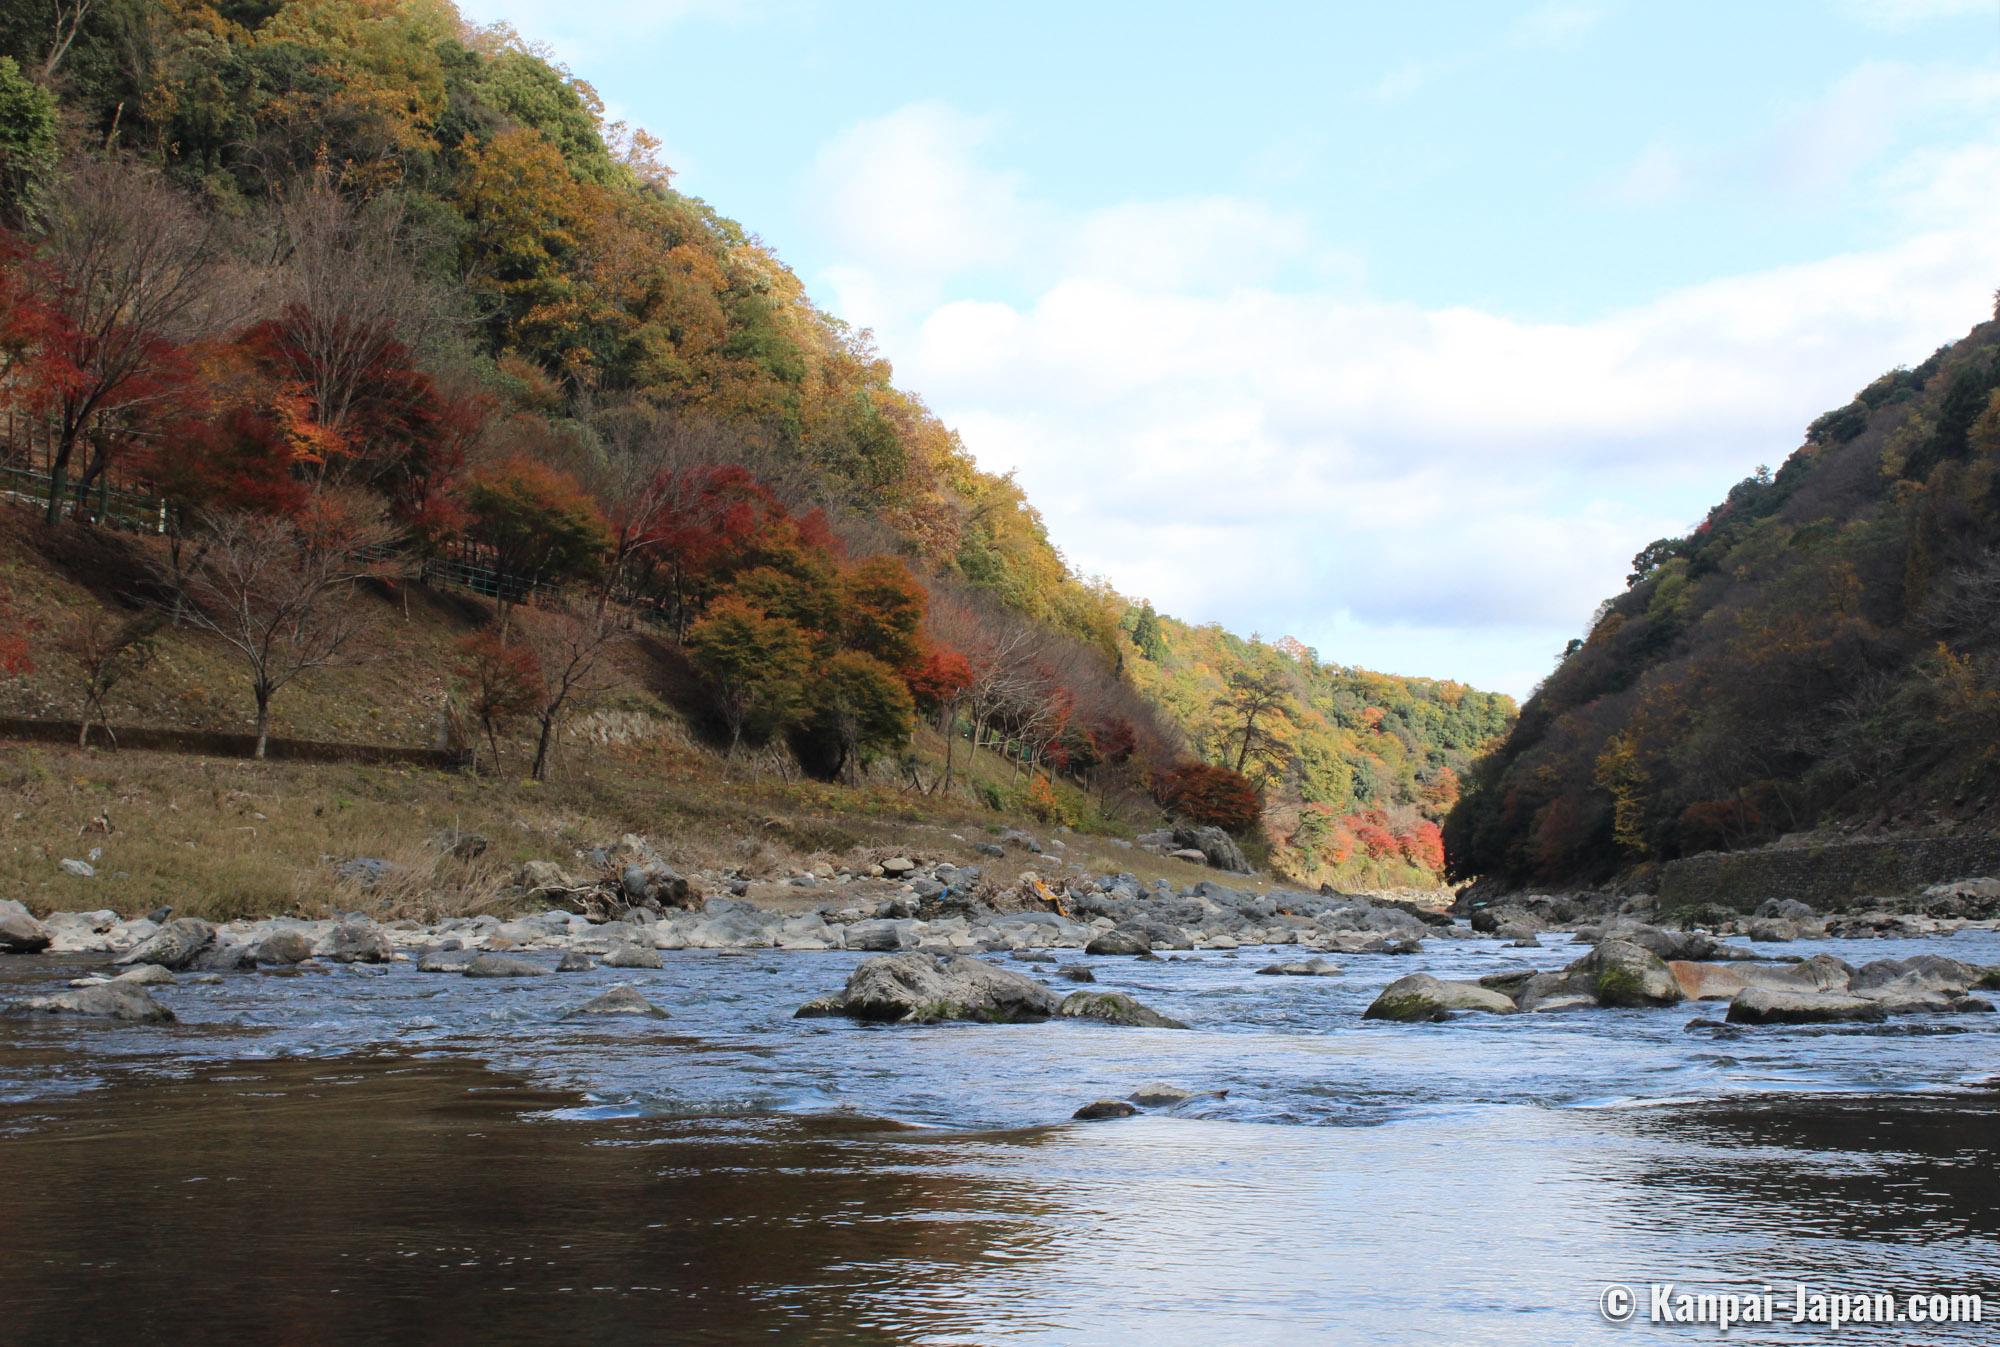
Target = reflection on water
(346,1158)
(381,1199)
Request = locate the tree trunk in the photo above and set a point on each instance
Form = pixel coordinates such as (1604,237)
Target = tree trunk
(59,477)
(263,722)
(540,771)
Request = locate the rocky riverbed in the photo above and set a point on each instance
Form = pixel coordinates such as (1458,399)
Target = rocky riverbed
(978,1129)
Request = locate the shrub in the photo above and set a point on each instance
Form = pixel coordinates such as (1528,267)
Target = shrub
(1206,794)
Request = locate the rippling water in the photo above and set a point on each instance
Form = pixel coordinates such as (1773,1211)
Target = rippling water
(346,1157)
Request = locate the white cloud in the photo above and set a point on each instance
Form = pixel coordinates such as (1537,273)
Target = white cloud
(1435,490)
(1904,13)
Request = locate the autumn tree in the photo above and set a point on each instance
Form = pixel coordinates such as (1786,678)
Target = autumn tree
(134,274)
(570,644)
(1207,794)
(756,667)
(278,592)
(1146,634)
(1257,699)
(541,526)
(498,682)
(105,650)
(881,610)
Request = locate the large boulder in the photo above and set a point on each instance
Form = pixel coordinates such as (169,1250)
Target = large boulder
(880,937)
(1217,847)
(1119,942)
(288,946)
(19,932)
(1932,972)
(355,942)
(174,946)
(1302,968)
(903,988)
(1626,974)
(1423,997)
(1114,1008)
(1102,1110)
(1723,981)
(1761,1005)
(120,1000)
(632,956)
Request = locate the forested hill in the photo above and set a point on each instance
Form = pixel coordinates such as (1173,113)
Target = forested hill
(1356,769)
(356,271)
(1823,649)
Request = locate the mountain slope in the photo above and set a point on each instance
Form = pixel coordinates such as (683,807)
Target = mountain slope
(1823,649)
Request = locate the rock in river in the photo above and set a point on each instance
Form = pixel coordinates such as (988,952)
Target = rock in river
(502,966)
(631,956)
(1119,942)
(1114,1008)
(174,946)
(1423,997)
(355,942)
(1302,968)
(119,1000)
(914,987)
(1761,1005)
(621,1001)
(19,932)
(285,947)
(1102,1109)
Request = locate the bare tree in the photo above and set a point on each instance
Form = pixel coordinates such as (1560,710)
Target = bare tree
(106,650)
(569,647)
(68,21)
(134,268)
(350,297)
(279,593)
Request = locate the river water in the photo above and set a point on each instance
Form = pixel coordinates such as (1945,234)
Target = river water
(341,1157)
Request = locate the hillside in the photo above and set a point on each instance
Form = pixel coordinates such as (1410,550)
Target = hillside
(1822,651)
(1357,769)
(358,324)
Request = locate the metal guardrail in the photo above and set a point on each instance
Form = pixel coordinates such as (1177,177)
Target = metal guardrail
(138,512)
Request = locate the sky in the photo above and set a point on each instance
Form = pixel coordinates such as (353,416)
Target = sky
(1395,328)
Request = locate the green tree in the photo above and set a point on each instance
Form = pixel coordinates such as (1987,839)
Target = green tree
(27,145)
(755,666)
(1146,634)
(859,707)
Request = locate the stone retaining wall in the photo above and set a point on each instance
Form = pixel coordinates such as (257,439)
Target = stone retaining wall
(1830,875)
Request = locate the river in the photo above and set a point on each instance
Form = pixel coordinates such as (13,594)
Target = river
(343,1157)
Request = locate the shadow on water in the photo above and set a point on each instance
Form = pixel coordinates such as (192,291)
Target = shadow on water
(373,1199)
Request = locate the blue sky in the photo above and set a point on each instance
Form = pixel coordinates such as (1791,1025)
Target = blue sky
(1395,328)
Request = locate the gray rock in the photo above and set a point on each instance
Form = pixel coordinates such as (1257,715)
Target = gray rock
(1302,968)
(1075,972)
(901,988)
(77,869)
(19,932)
(1216,846)
(1114,1008)
(898,866)
(1627,974)
(118,1000)
(285,947)
(1761,1005)
(576,961)
(225,958)
(502,966)
(1160,1095)
(884,937)
(632,956)
(355,942)
(443,961)
(621,1001)
(1420,996)
(146,975)
(175,945)
(1104,1109)
(1119,942)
